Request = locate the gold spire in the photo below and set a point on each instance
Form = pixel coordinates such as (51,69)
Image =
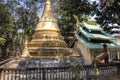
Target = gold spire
(25,52)
(47,21)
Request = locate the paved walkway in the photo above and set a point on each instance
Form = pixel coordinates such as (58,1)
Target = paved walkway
(111,77)
(14,65)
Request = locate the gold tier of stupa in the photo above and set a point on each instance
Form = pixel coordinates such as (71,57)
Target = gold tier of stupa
(46,41)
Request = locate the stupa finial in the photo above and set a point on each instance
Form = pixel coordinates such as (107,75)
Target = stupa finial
(48,2)
(47,20)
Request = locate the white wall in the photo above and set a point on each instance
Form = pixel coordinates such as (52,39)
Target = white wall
(85,52)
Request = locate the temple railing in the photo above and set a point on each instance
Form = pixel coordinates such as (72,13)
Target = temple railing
(59,73)
(2,63)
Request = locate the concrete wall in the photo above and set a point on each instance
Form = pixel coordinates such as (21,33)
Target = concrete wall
(85,52)
(118,54)
(118,39)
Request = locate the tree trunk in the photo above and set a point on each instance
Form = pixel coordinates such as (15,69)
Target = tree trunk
(4,52)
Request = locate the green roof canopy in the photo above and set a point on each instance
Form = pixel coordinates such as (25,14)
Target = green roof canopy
(95,40)
(94,36)
(92,27)
(92,45)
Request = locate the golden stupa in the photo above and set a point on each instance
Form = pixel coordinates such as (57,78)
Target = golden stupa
(47,42)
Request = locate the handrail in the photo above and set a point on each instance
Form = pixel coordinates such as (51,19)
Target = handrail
(5,61)
(50,73)
(85,66)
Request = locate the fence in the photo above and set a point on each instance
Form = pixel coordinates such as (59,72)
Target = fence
(58,73)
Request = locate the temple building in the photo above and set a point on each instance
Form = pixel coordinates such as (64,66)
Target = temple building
(115,30)
(46,41)
(90,40)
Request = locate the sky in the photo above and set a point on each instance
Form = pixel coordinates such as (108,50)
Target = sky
(93,0)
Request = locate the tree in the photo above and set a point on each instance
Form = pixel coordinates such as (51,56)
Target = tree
(25,14)
(28,17)
(108,12)
(6,29)
(15,16)
(70,14)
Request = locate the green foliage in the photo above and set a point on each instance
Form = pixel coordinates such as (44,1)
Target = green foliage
(91,22)
(15,15)
(70,14)
(2,41)
(6,29)
(109,12)
(25,14)
(6,24)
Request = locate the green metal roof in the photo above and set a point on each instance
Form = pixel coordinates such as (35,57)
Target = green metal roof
(108,35)
(92,27)
(91,45)
(94,35)
(95,39)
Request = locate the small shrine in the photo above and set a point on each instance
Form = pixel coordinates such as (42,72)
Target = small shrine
(90,40)
(25,52)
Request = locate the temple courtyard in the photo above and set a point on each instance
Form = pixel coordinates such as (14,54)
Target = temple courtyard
(90,54)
